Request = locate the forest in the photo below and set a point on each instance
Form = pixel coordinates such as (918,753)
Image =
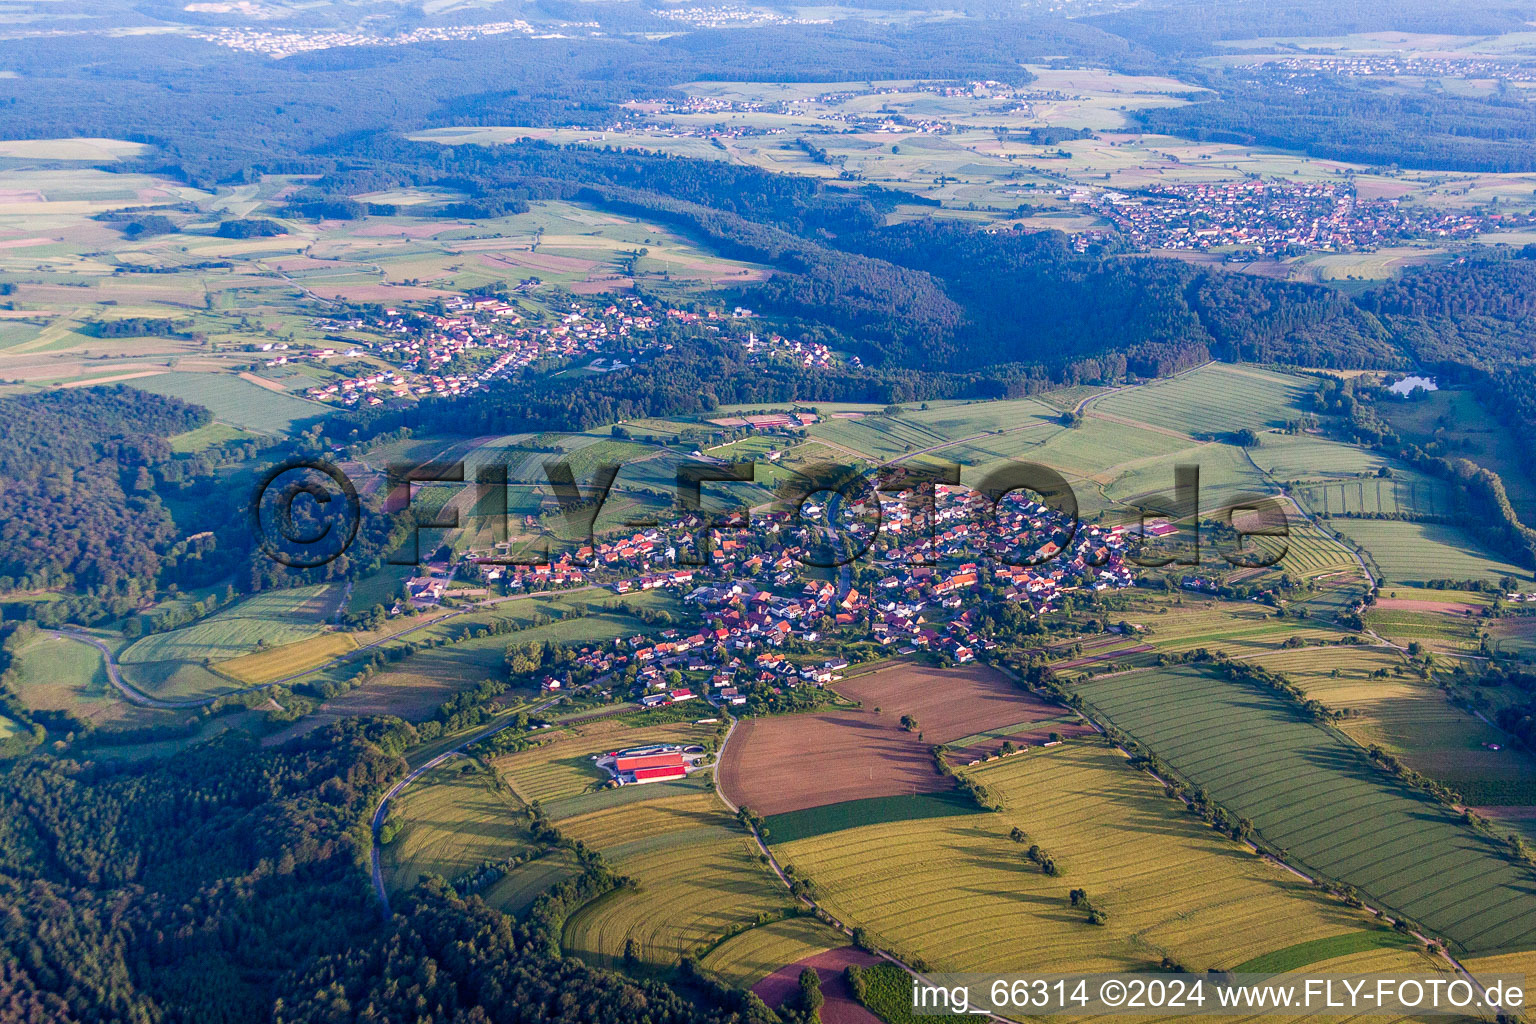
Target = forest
(1372,123)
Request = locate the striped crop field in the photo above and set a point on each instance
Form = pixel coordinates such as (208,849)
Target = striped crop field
(1402,714)
(1439,630)
(697,877)
(1416,552)
(1096,445)
(1214,399)
(452,821)
(744,960)
(1309,552)
(235,401)
(1313,794)
(879,437)
(1404,494)
(1237,629)
(959,893)
(1308,456)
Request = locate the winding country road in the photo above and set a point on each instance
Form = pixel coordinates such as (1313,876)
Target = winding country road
(381,810)
(139,697)
(127,689)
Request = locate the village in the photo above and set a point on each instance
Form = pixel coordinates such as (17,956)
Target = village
(1273,217)
(472,342)
(767,629)
(1381,66)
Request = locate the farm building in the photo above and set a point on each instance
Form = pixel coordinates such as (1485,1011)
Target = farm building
(663,774)
(656,763)
(670,759)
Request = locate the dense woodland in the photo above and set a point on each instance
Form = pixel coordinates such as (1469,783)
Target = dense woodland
(229,884)
(1372,123)
(78,505)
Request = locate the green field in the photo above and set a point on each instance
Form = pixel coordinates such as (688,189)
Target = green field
(204,436)
(1307,456)
(234,401)
(815,821)
(1304,954)
(1455,418)
(1410,718)
(269,619)
(1402,494)
(1215,399)
(56,673)
(1302,785)
(959,893)
(698,876)
(1237,629)
(1416,552)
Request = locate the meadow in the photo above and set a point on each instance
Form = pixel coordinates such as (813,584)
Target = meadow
(235,401)
(959,893)
(57,673)
(1300,783)
(1456,419)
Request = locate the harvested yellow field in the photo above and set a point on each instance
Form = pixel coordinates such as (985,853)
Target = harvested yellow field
(289,659)
(643,820)
(960,894)
(1239,630)
(744,960)
(697,872)
(1402,714)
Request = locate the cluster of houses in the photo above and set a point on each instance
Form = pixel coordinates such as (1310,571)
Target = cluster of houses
(803,353)
(1278,217)
(753,598)
(1381,66)
(279,44)
(423,343)
(732,16)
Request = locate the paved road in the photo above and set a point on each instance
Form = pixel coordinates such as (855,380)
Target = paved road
(129,692)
